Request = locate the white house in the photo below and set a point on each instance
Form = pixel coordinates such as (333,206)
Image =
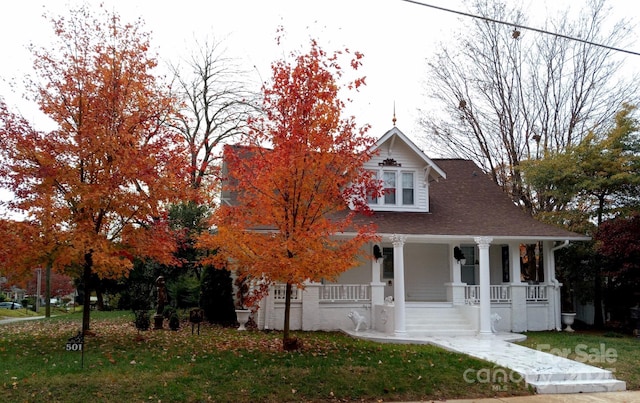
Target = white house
(420,284)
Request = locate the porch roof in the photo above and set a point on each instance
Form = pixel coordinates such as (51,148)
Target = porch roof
(467,204)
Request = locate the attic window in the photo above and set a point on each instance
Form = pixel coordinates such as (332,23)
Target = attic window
(389,162)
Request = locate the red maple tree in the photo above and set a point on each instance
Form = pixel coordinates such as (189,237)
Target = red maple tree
(290,183)
(93,191)
(61,284)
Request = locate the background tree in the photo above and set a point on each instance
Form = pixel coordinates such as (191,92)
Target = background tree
(598,178)
(510,94)
(61,285)
(216,107)
(27,247)
(188,219)
(295,189)
(105,173)
(618,242)
(216,296)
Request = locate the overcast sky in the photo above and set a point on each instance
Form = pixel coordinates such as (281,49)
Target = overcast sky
(396,38)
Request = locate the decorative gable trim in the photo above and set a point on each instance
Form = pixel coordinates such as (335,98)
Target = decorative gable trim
(389,162)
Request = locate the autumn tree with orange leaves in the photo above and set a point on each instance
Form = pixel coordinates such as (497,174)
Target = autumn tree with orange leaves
(285,215)
(93,190)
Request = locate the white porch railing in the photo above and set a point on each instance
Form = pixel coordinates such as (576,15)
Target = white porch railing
(537,293)
(472,294)
(362,292)
(280,292)
(502,294)
(345,292)
(328,292)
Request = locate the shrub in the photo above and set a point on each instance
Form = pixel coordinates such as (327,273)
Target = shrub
(142,320)
(184,291)
(216,297)
(168,312)
(174,321)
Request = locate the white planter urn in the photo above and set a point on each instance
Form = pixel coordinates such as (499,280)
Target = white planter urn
(243,317)
(567,319)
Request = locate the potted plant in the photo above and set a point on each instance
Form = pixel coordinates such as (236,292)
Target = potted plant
(249,292)
(242,301)
(568,313)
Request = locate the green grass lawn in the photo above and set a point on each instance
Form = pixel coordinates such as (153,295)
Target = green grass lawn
(18,313)
(221,364)
(615,352)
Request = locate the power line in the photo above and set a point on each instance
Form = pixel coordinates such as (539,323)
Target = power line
(523,27)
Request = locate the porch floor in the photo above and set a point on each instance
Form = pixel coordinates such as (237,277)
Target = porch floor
(545,372)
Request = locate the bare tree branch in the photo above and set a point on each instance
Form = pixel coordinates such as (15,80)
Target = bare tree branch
(217,105)
(508,96)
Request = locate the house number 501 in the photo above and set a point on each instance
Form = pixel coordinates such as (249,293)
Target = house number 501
(74,347)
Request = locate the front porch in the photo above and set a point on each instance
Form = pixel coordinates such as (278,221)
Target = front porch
(389,291)
(327,306)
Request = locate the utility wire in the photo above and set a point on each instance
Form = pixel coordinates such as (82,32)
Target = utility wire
(523,27)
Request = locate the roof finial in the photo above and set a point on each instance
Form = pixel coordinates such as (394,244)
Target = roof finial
(394,114)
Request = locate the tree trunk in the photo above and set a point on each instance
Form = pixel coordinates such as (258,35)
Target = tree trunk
(598,320)
(100,302)
(47,292)
(287,314)
(86,278)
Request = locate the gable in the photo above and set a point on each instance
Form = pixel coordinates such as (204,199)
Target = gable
(394,142)
(405,171)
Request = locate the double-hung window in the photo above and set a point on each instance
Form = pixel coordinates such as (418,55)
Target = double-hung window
(407,188)
(389,179)
(399,188)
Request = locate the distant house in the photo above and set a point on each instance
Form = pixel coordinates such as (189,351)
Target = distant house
(456,257)
(14,293)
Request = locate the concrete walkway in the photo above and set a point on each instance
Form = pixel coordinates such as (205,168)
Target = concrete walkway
(605,397)
(547,373)
(20,319)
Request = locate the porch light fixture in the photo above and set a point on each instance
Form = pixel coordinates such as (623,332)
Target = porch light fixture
(459,256)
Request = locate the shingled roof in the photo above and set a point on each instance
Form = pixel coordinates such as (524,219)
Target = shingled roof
(467,204)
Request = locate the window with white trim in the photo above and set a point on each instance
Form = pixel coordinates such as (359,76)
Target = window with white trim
(373,199)
(389,179)
(399,188)
(407,188)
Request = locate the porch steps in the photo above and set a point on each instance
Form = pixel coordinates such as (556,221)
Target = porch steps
(568,376)
(547,373)
(436,319)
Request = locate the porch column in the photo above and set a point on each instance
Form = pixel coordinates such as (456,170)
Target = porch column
(514,262)
(455,265)
(311,306)
(398,283)
(377,287)
(485,299)
(518,291)
(553,288)
(455,288)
